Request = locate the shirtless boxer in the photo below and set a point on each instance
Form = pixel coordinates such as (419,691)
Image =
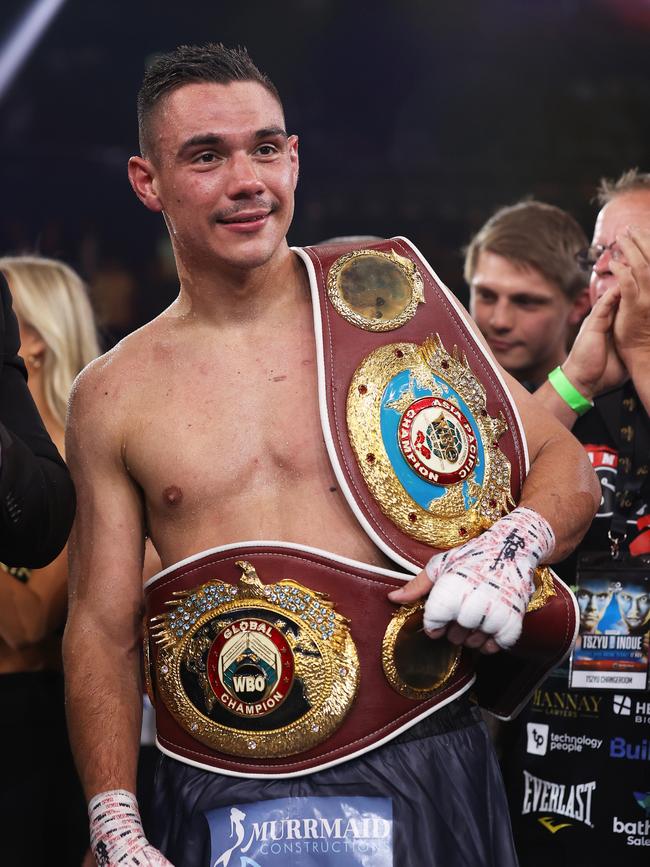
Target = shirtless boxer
(202,429)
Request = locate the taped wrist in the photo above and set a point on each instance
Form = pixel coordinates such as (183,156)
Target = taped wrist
(115,827)
(486,584)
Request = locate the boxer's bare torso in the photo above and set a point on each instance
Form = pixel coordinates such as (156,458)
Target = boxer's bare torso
(219,429)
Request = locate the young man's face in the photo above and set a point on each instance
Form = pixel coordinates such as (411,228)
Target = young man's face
(524,317)
(224,173)
(593,599)
(634,604)
(624,210)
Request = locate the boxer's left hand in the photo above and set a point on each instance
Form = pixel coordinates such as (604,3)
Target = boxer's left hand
(116,835)
(481,589)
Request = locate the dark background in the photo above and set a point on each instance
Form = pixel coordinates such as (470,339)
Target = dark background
(416,118)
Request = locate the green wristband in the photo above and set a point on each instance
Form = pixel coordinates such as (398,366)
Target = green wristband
(568,392)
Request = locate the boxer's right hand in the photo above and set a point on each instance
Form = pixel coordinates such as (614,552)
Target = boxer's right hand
(116,835)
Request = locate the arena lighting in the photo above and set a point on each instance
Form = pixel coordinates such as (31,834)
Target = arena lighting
(22,40)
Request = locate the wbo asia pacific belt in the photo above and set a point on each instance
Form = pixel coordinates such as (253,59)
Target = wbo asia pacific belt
(422,433)
(264,659)
(420,428)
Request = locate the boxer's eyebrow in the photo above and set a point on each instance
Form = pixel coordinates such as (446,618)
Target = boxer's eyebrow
(201,140)
(211,139)
(271,132)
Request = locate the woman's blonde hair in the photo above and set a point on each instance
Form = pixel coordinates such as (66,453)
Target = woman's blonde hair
(50,297)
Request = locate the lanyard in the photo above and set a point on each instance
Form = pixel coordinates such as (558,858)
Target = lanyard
(633,465)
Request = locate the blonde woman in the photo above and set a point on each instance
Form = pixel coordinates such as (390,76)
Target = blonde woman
(40,800)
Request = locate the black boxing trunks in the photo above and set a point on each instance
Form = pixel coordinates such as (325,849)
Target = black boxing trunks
(433,796)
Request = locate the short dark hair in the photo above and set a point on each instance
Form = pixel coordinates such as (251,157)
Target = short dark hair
(535,235)
(186,64)
(631,181)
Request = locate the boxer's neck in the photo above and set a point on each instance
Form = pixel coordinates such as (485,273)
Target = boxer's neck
(231,296)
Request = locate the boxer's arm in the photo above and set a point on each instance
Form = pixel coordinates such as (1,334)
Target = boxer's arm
(102,637)
(561,488)
(561,484)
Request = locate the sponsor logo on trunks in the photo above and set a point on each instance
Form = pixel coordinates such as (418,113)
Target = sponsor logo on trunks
(437,441)
(542,740)
(624,705)
(250,667)
(634,750)
(572,705)
(558,799)
(637,831)
(288,831)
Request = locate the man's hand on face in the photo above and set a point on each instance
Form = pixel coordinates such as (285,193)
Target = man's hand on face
(593,364)
(631,329)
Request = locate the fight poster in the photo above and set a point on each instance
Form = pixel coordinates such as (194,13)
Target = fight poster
(310,832)
(611,651)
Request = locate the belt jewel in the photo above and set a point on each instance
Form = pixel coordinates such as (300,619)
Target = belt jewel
(255,670)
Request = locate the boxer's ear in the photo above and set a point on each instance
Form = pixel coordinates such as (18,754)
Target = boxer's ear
(142,176)
(293,156)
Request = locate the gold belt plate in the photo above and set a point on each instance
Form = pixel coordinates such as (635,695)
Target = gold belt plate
(255,670)
(425,444)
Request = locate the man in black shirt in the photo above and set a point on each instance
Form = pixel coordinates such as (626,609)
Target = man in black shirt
(575,762)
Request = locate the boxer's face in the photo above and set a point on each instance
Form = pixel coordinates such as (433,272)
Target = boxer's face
(634,605)
(624,210)
(223,173)
(593,599)
(524,317)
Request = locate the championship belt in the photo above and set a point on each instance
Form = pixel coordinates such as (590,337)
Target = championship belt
(265,659)
(423,435)
(269,659)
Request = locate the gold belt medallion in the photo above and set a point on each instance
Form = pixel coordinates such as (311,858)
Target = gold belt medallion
(415,665)
(375,291)
(255,670)
(425,443)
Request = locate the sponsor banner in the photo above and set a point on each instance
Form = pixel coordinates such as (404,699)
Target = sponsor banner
(636,710)
(549,798)
(562,703)
(310,832)
(633,749)
(611,651)
(636,831)
(540,740)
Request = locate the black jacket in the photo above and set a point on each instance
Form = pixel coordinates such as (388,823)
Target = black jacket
(37,500)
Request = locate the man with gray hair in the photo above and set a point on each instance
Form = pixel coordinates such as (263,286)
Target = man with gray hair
(575,766)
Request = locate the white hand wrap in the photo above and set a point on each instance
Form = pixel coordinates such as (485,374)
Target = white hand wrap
(487,583)
(116,835)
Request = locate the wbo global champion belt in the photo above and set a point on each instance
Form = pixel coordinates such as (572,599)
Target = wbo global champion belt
(264,668)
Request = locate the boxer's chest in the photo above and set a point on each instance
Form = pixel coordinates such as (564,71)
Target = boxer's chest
(244,426)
